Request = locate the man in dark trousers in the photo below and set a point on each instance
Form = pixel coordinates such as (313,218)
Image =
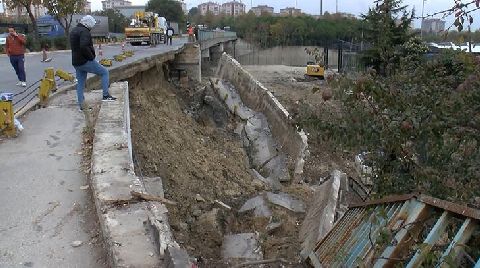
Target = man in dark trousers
(15,49)
(170,33)
(83,59)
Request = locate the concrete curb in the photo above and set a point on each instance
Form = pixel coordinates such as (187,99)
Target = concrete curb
(136,232)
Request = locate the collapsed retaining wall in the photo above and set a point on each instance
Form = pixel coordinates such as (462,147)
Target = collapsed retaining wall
(258,98)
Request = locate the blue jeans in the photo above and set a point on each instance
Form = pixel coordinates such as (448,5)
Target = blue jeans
(18,63)
(82,71)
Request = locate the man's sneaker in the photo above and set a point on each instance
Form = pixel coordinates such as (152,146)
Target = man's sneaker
(109,98)
(18,83)
(23,84)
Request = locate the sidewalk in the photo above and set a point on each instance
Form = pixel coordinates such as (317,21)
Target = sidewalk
(43,208)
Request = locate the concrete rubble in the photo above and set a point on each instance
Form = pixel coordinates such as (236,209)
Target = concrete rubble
(253,94)
(286,201)
(241,246)
(265,155)
(258,205)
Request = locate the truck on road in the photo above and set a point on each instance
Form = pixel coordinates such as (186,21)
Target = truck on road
(146,27)
(49,27)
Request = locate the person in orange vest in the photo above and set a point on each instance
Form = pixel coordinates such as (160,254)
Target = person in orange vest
(191,37)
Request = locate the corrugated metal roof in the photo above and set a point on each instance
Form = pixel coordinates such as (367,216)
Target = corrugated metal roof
(409,230)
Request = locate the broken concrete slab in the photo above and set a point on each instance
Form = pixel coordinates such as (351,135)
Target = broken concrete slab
(154,186)
(275,185)
(241,246)
(159,227)
(177,258)
(233,101)
(259,206)
(126,237)
(271,227)
(321,214)
(277,168)
(286,201)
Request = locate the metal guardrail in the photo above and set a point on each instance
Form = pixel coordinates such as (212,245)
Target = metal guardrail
(204,35)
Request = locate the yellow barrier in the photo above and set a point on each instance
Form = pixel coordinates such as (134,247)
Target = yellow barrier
(46,86)
(65,76)
(129,53)
(119,57)
(7,123)
(106,62)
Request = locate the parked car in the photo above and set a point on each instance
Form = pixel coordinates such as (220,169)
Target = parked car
(3,38)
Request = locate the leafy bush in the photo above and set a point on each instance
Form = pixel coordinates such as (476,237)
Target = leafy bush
(60,43)
(421,125)
(31,45)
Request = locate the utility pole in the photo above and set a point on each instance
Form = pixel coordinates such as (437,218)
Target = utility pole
(321,8)
(423,19)
(336,6)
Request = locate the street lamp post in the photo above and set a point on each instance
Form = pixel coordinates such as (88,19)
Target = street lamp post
(423,18)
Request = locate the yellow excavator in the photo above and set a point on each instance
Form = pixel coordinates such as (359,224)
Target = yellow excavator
(146,27)
(315,70)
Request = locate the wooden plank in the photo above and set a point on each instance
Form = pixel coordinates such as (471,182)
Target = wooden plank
(437,230)
(461,237)
(416,212)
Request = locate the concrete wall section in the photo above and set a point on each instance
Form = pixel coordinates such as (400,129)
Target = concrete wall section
(289,55)
(258,98)
(189,59)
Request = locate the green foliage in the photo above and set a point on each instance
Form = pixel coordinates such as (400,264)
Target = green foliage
(170,9)
(27,5)
(63,10)
(386,29)
(31,44)
(269,31)
(60,43)
(194,15)
(421,125)
(116,20)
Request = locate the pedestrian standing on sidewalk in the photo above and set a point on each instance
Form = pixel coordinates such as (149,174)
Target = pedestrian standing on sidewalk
(15,49)
(170,33)
(83,59)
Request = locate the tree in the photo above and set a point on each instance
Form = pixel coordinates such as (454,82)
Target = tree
(62,10)
(386,29)
(171,10)
(194,11)
(116,20)
(27,4)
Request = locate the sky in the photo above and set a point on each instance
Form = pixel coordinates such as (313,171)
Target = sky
(356,7)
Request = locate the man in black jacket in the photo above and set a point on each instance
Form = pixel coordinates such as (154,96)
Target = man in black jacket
(83,59)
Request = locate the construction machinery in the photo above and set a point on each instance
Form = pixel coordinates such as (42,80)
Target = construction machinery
(146,27)
(315,70)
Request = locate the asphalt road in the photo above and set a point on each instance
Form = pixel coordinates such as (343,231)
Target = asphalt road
(62,60)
